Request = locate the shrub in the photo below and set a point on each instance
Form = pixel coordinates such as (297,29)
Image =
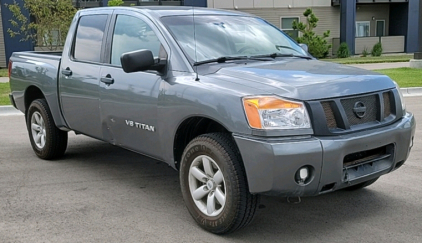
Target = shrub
(112,3)
(343,51)
(318,46)
(365,52)
(377,50)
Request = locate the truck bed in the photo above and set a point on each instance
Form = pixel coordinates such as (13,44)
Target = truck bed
(39,69)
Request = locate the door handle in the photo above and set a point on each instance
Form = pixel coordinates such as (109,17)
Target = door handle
(107,79)
(67,72)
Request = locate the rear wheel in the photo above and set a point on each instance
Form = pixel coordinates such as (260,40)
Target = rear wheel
(361,185)
(48,142)
(214,184)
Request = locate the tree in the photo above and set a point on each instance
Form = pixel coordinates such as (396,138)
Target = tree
(115,3)
(48,25)
(317,45)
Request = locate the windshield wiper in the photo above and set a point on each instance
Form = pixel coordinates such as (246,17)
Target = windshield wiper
(224,59)
(274,55)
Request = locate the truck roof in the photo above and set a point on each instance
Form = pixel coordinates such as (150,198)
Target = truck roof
(161,11)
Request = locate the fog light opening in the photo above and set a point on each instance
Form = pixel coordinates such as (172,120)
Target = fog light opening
(304,175)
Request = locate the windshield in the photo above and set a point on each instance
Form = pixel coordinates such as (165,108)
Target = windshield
(228,36)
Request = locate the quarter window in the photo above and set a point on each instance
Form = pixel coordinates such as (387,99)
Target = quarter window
(362,29)
(286,26)
(89,37)
(131,34)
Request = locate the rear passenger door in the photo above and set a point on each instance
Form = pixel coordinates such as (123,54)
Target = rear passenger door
(129,100)
(80,71)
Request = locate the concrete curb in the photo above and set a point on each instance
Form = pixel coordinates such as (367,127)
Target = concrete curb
(8,110)
(415,91)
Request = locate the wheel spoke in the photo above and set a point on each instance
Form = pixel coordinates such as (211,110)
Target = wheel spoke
(207,167)
(211,203)
(198,174)
(200,192)
(218,177)
(38,138)
(42,140)
(221,198)
(37,118)
(35,127)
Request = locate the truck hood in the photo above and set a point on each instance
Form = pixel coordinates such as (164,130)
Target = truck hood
(304,79)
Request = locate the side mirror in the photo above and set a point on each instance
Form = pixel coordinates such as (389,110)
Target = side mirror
(304,47)
(140,60)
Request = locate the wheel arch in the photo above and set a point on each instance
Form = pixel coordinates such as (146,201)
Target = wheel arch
(189,129)
(32,93)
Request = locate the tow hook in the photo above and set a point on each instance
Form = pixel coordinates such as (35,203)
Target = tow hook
(296,200)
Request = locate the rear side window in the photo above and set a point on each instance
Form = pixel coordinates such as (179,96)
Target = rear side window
(131,34)
(89,37)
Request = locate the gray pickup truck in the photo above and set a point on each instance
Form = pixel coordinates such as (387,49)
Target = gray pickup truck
(227,99)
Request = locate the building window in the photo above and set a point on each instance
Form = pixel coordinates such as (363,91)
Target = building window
(286,26)
(362,29)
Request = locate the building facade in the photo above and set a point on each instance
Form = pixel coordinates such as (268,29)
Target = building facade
(359,23)
(2,50)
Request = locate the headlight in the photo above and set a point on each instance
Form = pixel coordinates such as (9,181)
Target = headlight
(270,112)
(401,98)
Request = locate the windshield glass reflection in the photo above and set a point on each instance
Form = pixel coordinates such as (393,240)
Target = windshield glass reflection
(228,36)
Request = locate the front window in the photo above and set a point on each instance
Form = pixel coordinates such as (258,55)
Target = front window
(218,36)
(362,29)
(131,34)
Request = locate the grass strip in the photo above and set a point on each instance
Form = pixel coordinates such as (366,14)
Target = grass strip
(4,72)
(362,60)
(405,77)
(4,94)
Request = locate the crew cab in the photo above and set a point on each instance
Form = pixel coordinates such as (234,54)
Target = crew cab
(227,99)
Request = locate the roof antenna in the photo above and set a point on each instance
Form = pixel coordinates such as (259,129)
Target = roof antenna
(194,40)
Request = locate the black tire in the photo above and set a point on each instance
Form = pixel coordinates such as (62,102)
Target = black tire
(361,185)
(239,205)
(55,140)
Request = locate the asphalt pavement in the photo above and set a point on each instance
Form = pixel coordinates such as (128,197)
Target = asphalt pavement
(102,193)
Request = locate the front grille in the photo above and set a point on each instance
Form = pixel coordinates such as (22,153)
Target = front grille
(387,105)
(353,113)
(363,163)
(329,114)
(363,156)
(370,115)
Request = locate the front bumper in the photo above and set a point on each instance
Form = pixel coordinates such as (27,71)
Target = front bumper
(271,164)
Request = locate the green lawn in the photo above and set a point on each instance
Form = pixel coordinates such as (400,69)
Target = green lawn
(4,94)
(405,77)
(4,72)
(370,59)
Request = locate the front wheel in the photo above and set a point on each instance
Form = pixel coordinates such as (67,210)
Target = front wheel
(48,142)
(214,184)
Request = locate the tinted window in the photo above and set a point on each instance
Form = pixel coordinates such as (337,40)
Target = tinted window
(131,34)
(89,38)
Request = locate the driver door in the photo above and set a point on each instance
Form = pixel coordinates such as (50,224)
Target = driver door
(129,100)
